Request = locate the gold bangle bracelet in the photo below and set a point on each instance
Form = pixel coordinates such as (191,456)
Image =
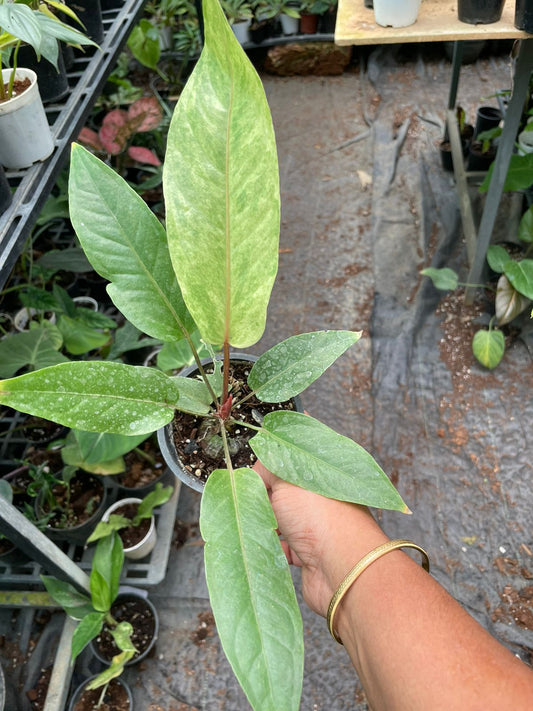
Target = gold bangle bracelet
(356,571)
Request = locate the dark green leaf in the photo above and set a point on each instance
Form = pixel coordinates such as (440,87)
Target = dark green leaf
(497,257)
(519,174)
(445,278)
(75,604)
(88,628)
(525,229)
(520,274)
(33,349)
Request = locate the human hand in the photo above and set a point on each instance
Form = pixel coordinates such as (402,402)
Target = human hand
(323,536)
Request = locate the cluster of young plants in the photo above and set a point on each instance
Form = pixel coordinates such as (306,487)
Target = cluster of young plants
(38,25)
(513,292)
(212,269)
(94,611)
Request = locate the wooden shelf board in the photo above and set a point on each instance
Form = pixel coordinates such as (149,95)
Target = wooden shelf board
(437,21)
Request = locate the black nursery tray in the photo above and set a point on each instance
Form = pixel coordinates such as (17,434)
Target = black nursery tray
(19,571)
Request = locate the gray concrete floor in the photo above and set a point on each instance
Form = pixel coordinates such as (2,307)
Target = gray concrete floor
(365,207)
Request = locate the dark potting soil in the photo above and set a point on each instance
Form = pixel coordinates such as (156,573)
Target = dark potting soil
(37,429)
(132,535)
(19,86)
(139,470)
(197,439)
(115,699)
(37,695)
(139,615)
(77,502)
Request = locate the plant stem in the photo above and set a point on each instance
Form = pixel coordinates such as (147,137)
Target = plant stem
(145,455)
(12,77)
(246,424)
(225,381)
(198,362)
(102,696)
(227,455)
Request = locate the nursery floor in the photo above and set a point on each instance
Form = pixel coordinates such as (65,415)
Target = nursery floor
(365,207)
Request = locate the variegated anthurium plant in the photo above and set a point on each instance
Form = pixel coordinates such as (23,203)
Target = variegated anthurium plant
(213,269)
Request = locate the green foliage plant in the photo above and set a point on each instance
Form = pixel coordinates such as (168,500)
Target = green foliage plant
(213,269)
(116,522)
(239,10)
(35,24)
(514,292)
(94,611)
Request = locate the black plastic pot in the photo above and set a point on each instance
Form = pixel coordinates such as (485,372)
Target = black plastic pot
(487,117)
(90,13)
(523,15)
(165,434)
(75,534)
(479,12)
(326,22)
(53,84)
(6,196)
(261,31)
(78,693)
(477,160)
(128,594)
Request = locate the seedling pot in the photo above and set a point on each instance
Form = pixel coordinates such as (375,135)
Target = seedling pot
(53,84)
(289,25)
(391,13)
(145,646)
(146,544)
(165,435)
(487,117)
(79,533)
(25,135)
(116,686)
(479,12)
(523,18)
(241,30)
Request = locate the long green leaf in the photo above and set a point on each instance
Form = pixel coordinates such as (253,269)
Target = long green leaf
(102,446)
(75,604)
(221,191)
(96,396)
(292,365)
(21,22)
(105,572)
(251,590)
(126,244)
(305,452)
(87,630)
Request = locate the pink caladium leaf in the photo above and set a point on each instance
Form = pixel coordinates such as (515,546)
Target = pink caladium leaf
(143,155)
(145,114)
(90,138)
(115,131)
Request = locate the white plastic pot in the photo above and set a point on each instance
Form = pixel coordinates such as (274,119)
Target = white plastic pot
(396,13)
(25,135)
(525,142)
(146,545)
(241,30)
(289,25)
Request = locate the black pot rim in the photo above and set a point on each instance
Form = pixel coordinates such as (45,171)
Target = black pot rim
(132,594)
(164,434)
(81,688)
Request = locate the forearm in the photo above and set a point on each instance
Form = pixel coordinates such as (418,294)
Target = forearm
(412,645)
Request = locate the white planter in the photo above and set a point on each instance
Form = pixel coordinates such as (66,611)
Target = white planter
(241,30)
(87,302)
(166,38)
(22,318)
(289,25)
(25,135)
(144,547)
(396,13)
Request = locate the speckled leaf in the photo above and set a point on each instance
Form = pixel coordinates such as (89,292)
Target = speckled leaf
(305,452)
(96,396)
(251,590)
(488,347)
(221,190)
(126,244)
(292,365)
(509,302)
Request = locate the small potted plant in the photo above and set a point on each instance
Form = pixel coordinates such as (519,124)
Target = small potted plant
(113,695)
(134,522)
(239,14)
(21,110)
(122,620)
(213,269)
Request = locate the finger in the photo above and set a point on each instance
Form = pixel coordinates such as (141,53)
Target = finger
(266,475)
